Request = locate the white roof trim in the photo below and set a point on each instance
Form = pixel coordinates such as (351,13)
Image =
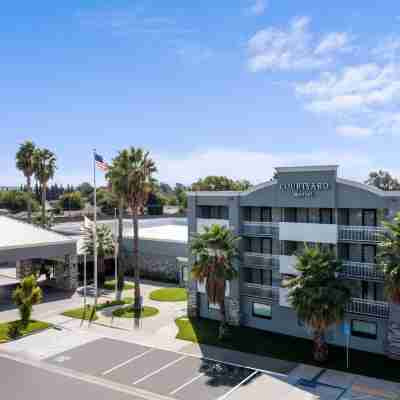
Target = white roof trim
(369,188)
(308,168)
(36,245)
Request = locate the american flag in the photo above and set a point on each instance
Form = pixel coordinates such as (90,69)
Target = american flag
(100,163)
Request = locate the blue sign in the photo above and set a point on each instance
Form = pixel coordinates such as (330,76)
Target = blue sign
(346,329)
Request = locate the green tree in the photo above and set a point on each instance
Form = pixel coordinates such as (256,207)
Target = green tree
(214,252)
(105,247)
(24,162)
(25,296)
(219,183)
(137,184)
(389,261)
(383,180)
(71,201)
(17,201)
(86,189)
(318,296)
(44,163)
(117,176)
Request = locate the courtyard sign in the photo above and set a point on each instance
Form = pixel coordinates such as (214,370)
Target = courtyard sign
(304,189)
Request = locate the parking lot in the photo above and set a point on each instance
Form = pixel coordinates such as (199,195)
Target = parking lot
(166,373)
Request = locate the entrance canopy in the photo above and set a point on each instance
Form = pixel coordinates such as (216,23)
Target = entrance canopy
(22,241)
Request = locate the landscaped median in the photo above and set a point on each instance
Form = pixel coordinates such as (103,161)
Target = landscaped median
(290,348)
(127,312)
(169,294)
(88,314)
(14,330)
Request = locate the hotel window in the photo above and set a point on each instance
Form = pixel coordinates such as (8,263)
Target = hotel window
(247,216)
(290,248)
(369,217)
(344,251)
(325,216)
(364,329)
(344,216)
(262,310)
(290,214)
(266,214)
(368,253)
(266,246)
(257,276)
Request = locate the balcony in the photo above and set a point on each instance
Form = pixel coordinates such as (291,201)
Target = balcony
(377,309)
(260,260)
(369,234)
(263,229)
(363,271)
(308,232)
(261,291)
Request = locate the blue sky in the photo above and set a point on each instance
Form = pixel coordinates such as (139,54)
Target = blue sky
(229,87)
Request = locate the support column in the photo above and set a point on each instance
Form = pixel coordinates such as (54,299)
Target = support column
(192,303)
(393,332)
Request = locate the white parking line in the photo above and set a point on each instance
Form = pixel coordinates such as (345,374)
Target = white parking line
(225,396)
(127,362)
(158,370)
(186,383)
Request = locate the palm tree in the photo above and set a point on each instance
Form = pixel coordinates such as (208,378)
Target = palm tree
(24,162)
(117,176)
(44,163)
(136,169)
(318,296)
(214,251)
(389,260)
(105,247)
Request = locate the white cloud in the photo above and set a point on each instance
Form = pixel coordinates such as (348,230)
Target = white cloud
(354,131)
(335,41)
(358,88)
(258,7)
(293,48)
(389,49)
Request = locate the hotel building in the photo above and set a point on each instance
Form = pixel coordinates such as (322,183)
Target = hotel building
(302,205)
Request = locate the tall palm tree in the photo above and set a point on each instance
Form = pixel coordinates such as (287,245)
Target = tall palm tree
(105,247)
(214,251)
(136,172)
(44,163)
(318,296)
(117,175)
(389,260)
(24,162)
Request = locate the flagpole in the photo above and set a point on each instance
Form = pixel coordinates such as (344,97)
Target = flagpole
(95,231)
(84,282)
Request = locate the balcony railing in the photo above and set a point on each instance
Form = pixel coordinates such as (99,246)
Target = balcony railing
(378,309)
(364,271)
(261,291)
(260,260)
(253,228)
(360,233)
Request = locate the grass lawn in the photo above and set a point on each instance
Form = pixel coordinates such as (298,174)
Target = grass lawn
(87,314)
(127,312)
(33,326)
(289,348)
(110,285)
(169,294)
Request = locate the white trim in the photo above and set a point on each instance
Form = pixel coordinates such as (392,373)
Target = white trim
(213,193)
(158,370)
(186,383)
(308,168)
(35,245)
(227,394)
(127,361)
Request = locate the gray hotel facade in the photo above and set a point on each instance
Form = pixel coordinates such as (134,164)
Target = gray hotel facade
(275,220)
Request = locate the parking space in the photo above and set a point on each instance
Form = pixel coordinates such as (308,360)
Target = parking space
(167,373)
